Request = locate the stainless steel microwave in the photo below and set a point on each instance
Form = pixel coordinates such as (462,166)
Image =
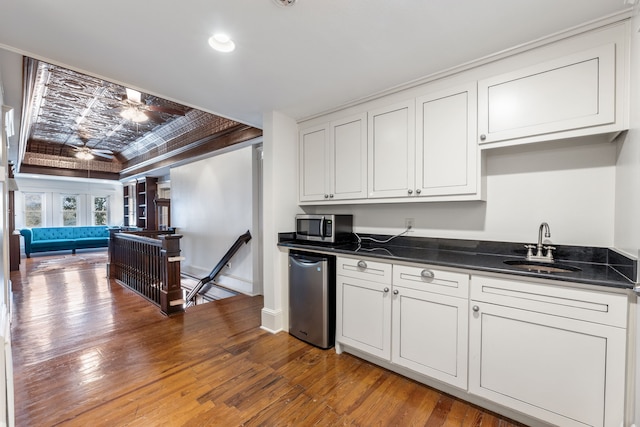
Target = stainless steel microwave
(324,228)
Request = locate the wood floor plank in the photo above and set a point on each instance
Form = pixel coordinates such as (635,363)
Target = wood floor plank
(89,352)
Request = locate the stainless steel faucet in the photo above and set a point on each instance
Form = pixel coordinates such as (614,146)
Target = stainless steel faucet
(539,256)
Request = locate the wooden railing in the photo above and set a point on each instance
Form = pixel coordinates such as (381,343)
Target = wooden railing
(148,264)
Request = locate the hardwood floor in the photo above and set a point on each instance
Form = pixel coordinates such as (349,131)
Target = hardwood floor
(87,351)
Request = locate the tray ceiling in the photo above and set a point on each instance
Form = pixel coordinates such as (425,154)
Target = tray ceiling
(70,112)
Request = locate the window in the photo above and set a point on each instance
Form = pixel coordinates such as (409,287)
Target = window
(69,210)
(33,209)
(100,210)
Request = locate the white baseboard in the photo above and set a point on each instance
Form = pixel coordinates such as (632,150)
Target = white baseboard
(271,320)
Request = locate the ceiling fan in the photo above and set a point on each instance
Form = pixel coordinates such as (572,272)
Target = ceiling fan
(86,153)
(137,110)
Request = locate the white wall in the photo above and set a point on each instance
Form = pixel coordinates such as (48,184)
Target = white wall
(280,207)
(4,224)
(212,203)
(569,184)
(54,187)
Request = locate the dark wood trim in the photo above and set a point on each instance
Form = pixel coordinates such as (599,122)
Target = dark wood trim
(199,149)
(69,173)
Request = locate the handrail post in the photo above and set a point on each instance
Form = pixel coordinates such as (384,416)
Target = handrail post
(112,247)
(171,298)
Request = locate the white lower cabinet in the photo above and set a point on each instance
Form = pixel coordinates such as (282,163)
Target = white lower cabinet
(363,305)
(364,319)
(554,353)
(418,320)
(429,325)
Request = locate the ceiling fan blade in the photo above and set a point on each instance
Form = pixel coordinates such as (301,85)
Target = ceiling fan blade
(134,96)
(106,156)
(168,110)
(98,150)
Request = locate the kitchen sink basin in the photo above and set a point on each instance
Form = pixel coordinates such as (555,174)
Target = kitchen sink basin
(541,267)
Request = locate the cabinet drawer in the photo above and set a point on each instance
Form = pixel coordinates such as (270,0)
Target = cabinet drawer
(599,307)
(364,269)
(430,280)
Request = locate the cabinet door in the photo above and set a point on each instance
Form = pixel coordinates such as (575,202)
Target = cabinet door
(574,92)
(349,158)
(363,316)
(430,334)
(391,150)
(314,163)
(563,371)
(446,148)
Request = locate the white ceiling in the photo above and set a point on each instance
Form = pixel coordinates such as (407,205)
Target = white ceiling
(299,60)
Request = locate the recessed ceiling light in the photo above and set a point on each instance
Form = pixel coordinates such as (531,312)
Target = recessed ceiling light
(221,43)
(285,2)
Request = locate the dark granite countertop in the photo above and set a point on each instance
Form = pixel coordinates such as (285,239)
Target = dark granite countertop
(597,266)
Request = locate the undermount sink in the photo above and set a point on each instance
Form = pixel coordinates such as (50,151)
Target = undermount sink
(541,267)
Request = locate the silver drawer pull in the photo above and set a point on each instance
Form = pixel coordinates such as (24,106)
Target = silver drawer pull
(362,264)
(427,274)
(385,290)
(396,292)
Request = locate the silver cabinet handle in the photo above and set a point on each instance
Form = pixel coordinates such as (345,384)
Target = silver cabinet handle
(418,191)
(331,196)
(483,137)
(326,196)
(410,191)
(395,292)
(427,274)
(385,290)
(362,264)
(476,308)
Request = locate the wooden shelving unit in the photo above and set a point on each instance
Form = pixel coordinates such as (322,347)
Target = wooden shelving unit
(127,204)
(142,194)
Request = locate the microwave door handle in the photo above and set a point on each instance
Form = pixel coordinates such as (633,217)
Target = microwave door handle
(322,227)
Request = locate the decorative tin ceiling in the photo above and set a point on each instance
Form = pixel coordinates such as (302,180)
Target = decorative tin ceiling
(70,112)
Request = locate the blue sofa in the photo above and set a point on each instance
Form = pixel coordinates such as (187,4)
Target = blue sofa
(44,239)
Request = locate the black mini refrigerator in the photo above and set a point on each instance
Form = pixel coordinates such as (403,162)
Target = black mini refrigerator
(312,298)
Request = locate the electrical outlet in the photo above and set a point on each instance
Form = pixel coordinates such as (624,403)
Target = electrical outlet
(408,223)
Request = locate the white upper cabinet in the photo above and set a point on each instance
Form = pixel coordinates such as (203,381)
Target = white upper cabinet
(425,142)
(446,149)
(349,157)
(575,92)
(314,163)
(333,160)
(392,150)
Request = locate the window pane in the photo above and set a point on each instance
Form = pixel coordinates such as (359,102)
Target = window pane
(33,219)
(69,203)
(100,210)
(69,210)
(33,204)
(100,218)
(100,203)
(69,218)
